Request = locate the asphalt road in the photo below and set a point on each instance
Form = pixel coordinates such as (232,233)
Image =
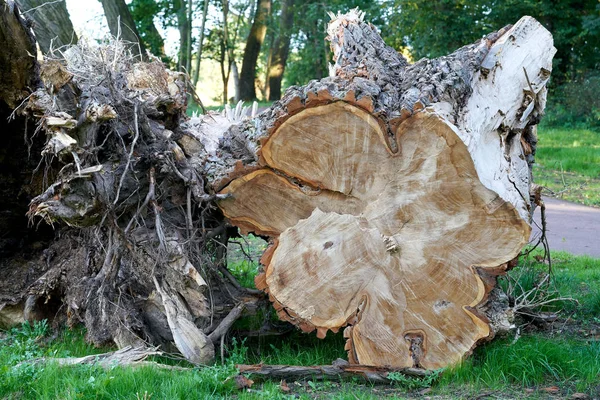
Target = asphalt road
(571,227)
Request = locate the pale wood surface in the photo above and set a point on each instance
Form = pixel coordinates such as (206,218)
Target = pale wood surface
(385,241)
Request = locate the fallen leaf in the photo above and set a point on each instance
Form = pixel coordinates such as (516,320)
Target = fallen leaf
(241,382)
(529,390)
(551,389)
(284,387)
(425,391)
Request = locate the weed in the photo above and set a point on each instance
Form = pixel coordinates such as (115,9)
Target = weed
(244,271)
(413,383)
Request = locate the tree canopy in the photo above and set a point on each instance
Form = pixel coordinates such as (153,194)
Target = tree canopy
(258,48)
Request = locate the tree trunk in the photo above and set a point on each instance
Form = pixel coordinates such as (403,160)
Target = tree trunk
(200,44)
(183,26)
(51,23)
(252,50)
(280,51)
(20,245)
(122,25)
(190,12)
(393,194)
(388,186)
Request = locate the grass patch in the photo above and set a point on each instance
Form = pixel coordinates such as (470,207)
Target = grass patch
(531,362)
(568,164)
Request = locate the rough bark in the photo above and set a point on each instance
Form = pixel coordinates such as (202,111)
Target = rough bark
(121,25)
(20,246)
(339,370)
(373,186)
(279,52)
(51,23)
(18,72)
(188,50)
(134,260)
(254,42)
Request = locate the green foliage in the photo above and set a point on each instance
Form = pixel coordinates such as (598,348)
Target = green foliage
(143,13)
(244,271)
(310,52)
(435,28)
(575,104)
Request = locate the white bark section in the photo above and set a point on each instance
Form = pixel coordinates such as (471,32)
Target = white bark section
(502,102)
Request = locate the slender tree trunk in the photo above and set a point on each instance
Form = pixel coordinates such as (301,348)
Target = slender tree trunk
(280,51)
(270,42)
(51,23)
(235,74)
(224,60)
(253,45)
(121,24)
(183,26)
(188,65)
(200,44)
(233,64)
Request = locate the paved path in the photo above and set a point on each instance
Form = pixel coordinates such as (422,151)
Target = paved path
(571,227)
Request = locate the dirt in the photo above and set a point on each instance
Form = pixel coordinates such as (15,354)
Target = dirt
(571,227)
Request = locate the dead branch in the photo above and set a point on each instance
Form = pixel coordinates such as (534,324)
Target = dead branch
(338,370)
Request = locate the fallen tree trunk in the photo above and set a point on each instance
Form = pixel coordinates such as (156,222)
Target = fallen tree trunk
(392,194)
(396,193)
(339,370)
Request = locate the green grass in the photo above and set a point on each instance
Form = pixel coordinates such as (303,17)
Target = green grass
(533,361)
(568,164)
(524,368)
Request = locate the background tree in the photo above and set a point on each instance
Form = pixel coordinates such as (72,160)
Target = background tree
(310,53)
(279,51)
(121,24)
(253,45)
(200,43)
(184,26)
(431,28)
(51,22)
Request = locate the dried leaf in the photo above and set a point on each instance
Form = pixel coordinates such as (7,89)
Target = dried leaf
(284,387)
(241,382)
(551,389)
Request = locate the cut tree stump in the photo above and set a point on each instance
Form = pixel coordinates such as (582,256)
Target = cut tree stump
(384,242)
(393,195)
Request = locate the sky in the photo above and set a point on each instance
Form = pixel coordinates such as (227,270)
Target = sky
(89,22)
